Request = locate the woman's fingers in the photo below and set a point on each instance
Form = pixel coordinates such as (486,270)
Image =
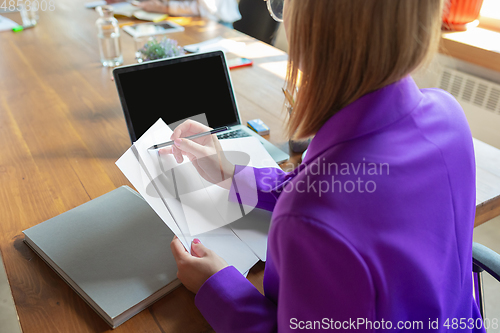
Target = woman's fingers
(191,147)
(165,151)
(175,135)
(197,249)
(187,128)
(179,158)
(177,132)
(178,250)
(177,154)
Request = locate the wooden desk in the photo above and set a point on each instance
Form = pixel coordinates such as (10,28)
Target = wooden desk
(61,131)
(487,182)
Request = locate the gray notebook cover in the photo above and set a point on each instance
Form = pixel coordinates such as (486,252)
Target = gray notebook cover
(114,248)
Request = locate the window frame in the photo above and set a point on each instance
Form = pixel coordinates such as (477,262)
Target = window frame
(489,22)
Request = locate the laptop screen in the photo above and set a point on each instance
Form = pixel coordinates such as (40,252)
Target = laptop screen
(175,89)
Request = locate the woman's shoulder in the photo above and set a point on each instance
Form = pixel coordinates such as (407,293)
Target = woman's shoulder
(442,108)
(442,124)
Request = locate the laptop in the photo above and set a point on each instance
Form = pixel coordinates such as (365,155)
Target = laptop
(183,87)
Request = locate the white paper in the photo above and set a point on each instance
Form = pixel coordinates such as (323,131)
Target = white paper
(254,226)
(216,44)
(146,16)
(203,207)
(7,24)
(178,194)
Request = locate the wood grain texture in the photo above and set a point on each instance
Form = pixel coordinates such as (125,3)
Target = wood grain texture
(487,182)
(61,131)
(476,45)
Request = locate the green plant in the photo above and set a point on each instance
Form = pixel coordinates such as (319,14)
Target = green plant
(153,49)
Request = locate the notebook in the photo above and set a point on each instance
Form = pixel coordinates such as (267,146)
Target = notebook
(113,251)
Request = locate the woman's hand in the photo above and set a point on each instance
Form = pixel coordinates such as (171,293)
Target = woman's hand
(193,270)
(152,6)
(205,153)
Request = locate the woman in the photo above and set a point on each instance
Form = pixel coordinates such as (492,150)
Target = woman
(374,229)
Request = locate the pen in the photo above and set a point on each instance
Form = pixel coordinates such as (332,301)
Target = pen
(289,97)
(196,136)
(20,28)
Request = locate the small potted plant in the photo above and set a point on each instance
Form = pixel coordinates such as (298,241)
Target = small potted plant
(154,49)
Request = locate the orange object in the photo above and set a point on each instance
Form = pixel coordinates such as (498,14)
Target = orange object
(124,24)
(458,13)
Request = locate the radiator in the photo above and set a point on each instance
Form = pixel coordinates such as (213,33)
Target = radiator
(480,100)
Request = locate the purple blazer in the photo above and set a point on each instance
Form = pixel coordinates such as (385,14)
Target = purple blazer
(373,229)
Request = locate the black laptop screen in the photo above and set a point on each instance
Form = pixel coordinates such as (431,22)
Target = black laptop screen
(175,89)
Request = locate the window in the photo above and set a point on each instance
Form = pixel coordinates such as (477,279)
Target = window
(490,15)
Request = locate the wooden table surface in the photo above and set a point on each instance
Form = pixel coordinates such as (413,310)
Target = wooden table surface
(487,182)
(61,131)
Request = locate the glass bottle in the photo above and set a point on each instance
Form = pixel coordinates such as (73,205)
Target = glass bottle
(29,14)
(109,37)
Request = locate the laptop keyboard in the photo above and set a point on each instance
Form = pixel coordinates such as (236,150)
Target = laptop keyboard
(233,135)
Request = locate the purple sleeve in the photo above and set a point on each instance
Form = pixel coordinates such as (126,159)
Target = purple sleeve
(230,303)
(312,284)
(317,268)
(247,180)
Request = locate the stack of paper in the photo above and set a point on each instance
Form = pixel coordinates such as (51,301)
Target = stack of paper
(7,24)
(194,208)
